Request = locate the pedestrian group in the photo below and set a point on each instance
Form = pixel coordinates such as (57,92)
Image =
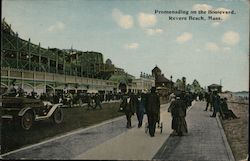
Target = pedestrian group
(180,101)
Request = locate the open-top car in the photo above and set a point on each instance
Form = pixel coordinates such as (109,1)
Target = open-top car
(27,110)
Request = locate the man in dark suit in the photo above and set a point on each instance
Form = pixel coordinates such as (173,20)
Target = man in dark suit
(215,103)
(128,108)
(152,110)
(208,100)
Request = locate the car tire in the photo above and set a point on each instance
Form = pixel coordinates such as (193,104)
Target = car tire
(27,120)
(58,116)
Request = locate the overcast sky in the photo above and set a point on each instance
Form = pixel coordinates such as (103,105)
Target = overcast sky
(136,39)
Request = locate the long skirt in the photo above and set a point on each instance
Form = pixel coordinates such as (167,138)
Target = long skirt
(179,124)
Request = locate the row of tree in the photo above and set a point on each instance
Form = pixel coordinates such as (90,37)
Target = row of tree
(194,87)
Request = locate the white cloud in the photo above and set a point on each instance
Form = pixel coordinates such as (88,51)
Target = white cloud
(226,49)
(212,46)
(56,27)
(153,31)
(186,36)
(203,7)
(223,16)
(146,20)
(131,46)
(206,7)
(124,21)
(198,50)
(231,38)
(214,24)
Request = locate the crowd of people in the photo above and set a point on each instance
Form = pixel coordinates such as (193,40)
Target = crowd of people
(93,100)
(140,104)
(149,104)
(180,101)
(218,105)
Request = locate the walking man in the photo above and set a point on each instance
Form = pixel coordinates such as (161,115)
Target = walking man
(140,109)
(89,102)
(208,100)
(97,101)
(128,109)
(152,110)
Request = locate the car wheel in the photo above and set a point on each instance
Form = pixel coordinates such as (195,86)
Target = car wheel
(27,120)
(58,116)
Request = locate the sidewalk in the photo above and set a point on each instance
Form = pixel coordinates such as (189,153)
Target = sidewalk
(133,144)
(206,139)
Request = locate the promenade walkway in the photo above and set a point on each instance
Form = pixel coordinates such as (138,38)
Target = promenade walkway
(111,140)
(205,140)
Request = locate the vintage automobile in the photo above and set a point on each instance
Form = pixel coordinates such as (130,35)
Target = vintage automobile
(27,110)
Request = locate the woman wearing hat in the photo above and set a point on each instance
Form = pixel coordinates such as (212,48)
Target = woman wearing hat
(178,112)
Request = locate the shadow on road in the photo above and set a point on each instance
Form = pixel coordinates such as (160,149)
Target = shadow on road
(168,147)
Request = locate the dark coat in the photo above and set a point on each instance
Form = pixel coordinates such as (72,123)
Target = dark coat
(134,101)
(178,111)
(152,104)
(127,105)
(224,106)
(178,108)
(216,102)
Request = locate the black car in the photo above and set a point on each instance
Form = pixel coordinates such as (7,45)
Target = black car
(27,110)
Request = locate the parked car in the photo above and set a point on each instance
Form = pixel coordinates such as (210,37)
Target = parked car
(27,110)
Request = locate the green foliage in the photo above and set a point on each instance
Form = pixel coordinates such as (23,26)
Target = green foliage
(195,87)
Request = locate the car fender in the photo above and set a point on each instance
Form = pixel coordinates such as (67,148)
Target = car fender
(53,108)
(24,110)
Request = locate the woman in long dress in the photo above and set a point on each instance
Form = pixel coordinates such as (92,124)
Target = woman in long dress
(178,112)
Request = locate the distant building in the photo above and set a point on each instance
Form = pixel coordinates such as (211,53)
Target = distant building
(215,87)
(144,83)
(161,82)
(108,62)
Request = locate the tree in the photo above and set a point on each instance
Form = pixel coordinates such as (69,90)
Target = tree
(180,84)
(189,87)
(196,86)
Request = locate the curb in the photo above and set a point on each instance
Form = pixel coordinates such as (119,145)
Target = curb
(228,148)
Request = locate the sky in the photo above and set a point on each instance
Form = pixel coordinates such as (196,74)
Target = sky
(137,38)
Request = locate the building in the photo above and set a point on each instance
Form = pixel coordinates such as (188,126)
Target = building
(215,87)
(33,67)
(164,85)
(144,83)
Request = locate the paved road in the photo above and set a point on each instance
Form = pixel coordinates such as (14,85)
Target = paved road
(72,144)
(205,140)
(111,140)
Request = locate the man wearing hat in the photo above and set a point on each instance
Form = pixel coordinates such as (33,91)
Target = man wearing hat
(215,103)
(128,108)
(152,110)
